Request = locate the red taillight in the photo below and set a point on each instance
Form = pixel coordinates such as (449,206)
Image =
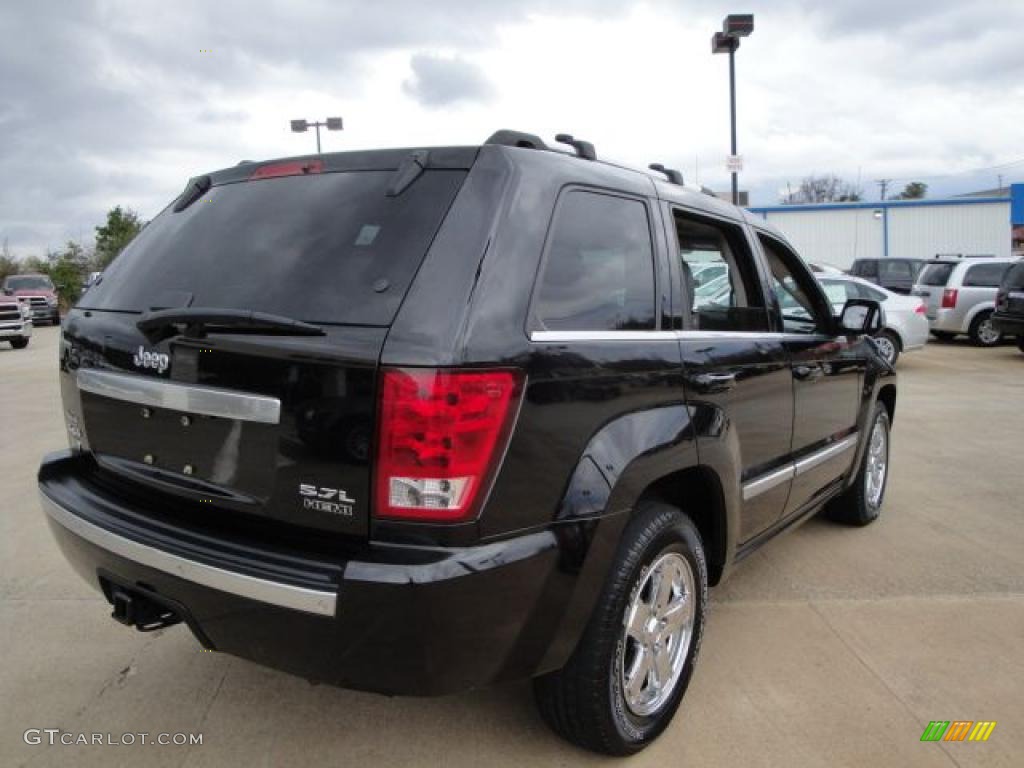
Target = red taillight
(296,168)
(949,298)
(920,309)
(440,437)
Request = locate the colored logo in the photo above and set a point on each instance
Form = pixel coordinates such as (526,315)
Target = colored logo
(958,730)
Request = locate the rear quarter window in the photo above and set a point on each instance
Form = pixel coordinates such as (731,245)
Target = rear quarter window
(598,274)
(985,275)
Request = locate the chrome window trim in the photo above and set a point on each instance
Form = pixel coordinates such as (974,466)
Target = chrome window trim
(272,592)
(571,336)
(776,477)
(177,396)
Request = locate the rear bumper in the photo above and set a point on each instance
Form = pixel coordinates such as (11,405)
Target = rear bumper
(1012,325)
(399,620)
(948,321)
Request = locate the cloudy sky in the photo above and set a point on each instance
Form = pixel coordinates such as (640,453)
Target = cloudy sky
(119,102)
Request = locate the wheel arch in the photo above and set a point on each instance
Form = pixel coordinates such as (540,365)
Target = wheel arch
(697,491)
(887,397)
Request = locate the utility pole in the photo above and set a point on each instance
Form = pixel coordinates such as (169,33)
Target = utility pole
(1000,187)
(883,184)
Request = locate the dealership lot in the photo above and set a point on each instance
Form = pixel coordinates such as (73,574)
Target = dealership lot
(829,646)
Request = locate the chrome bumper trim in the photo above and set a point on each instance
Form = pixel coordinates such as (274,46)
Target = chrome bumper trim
(243,585)
(177,396)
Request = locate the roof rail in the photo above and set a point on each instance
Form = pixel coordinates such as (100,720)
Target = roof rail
(509,138)
(708,191)
(674,176)
(583,149)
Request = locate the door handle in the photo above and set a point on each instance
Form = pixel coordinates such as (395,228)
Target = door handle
(808,372)
(709,383)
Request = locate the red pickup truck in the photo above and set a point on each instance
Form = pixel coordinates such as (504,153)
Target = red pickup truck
(40,293)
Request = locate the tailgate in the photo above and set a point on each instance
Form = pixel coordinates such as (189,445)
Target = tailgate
(280,428)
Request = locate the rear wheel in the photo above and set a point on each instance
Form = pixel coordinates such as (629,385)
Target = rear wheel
(19,343)
(982,332)
(623,683)
(943,335)
(861,503)
(888,344)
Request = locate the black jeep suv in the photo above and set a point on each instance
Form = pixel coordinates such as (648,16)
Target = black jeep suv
(1009,314)
(414,421)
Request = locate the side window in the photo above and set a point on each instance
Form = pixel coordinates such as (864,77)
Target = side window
(895,270)
(719,272)
(794,289)
(985,275)
(867,268)
(599,271)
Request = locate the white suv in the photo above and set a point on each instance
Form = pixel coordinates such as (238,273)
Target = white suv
(960,296)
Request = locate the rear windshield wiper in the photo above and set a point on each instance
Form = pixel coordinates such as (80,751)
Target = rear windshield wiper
(196,321)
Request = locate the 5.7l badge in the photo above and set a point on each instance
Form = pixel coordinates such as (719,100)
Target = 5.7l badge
(320,499)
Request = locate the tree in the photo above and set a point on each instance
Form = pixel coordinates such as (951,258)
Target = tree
(8,264)
(915,190)
(828,188)
(122,225)
(67,269)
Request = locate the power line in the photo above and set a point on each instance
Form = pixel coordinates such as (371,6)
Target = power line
(1001,166)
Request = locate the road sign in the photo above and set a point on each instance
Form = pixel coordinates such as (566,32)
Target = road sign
(734,163)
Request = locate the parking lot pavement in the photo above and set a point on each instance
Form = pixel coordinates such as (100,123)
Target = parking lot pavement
(830,646)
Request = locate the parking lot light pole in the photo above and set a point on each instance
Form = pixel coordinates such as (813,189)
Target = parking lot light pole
(735,26)
(301,126)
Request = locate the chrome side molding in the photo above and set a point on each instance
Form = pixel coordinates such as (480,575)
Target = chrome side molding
(794,469)
(177,396)
(262,590)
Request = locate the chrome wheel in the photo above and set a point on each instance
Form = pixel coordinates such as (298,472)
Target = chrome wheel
(658,629)
(887,348)
(878,463)
(987,334)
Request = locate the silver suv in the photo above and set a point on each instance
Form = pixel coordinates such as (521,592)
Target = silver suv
(960,296)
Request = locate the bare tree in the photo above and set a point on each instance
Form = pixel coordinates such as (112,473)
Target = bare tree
(827,188)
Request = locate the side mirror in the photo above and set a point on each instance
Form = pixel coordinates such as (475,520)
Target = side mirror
(861,317)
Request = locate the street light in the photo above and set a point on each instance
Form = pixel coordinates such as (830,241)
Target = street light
(735,26)
(301,126)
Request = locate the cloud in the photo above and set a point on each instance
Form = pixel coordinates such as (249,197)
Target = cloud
(438,81)
(118,102)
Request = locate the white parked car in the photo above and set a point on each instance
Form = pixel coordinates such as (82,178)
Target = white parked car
(906,321)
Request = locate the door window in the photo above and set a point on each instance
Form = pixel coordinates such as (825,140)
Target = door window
(800,302)
(721,284)
(599,271)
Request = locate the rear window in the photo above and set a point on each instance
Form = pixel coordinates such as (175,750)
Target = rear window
(985,275)
(1013,280)
(936,274)
(324,248)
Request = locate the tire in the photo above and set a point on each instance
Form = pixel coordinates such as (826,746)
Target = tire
(889,345)
(861,503)
(981,331)
(943,335)
(586,702)
(19,343)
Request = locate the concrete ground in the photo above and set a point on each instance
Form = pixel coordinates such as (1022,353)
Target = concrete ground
(831,646)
